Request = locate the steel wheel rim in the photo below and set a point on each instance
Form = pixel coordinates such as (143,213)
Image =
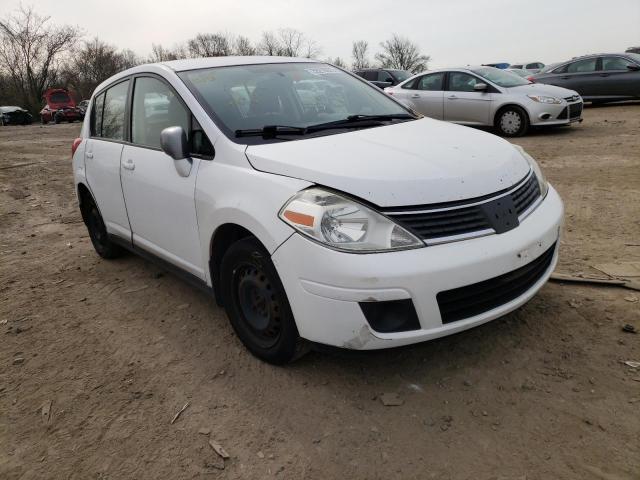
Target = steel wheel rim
(510,122)
(258,304)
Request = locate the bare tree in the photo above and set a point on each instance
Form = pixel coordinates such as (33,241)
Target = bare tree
(30,52)
(359,52)
(401,53)
(242,46)
(210,45)
(288,42)
(93,63)
(162,54)
(338,62)
(269,44)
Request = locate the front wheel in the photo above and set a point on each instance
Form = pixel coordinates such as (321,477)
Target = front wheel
(257,304)
(512,122)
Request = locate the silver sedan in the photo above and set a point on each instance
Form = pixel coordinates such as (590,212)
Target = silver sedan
(487,96)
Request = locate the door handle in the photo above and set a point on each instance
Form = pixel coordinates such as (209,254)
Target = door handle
(89,155)
(128,164)
(452,97)
(415,95)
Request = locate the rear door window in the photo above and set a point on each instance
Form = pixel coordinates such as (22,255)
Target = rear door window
(433,82)
(113,117)
(582,66)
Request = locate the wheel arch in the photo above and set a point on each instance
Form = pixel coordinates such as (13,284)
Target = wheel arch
(222,238)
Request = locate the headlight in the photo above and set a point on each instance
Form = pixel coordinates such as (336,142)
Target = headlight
(344,224)
(543,99)
(542,182)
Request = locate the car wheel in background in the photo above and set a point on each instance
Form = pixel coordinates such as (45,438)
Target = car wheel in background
(257,304)
(98,232)
(512,121)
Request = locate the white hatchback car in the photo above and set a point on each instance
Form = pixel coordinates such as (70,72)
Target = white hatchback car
(487,96)
(313,205)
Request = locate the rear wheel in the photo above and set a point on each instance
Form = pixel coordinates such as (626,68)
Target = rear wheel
(98,232)
(257,304)
(512,121)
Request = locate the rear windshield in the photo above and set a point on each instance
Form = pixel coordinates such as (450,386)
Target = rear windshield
(500,77)
(292,94)
(59,97)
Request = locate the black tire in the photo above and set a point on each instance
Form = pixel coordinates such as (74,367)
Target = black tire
(257,304)
(512,121)
(98,232)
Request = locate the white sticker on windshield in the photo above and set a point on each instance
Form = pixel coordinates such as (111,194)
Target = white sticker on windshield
(322,71)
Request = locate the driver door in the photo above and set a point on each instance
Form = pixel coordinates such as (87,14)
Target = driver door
(160,202)
(462,104)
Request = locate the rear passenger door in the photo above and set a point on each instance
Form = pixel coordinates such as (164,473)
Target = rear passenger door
(425,95)
(102,157)
(159,200)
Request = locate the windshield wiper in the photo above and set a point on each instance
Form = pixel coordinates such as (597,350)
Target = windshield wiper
(271,131)
(361,121)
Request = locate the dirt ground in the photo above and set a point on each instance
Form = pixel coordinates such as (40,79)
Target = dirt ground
(96,357)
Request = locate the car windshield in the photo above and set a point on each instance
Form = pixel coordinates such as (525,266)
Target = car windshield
(500,77)
(295,95)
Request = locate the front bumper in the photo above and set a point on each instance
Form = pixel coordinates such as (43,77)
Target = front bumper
(562,114)
(324,286)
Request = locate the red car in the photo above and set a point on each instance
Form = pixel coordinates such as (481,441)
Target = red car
(59,107)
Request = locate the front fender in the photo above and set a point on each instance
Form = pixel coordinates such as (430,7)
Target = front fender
(232,194)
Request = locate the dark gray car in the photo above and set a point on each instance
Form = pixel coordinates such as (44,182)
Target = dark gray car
(383,77)
(598,78)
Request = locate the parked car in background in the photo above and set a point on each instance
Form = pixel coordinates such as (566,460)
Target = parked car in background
(500,65)
(534,67)
(15,116)
(59,107)
(82,106)
(490,97)
(352,223)
(633,50)
(597,78)
(383,77)
(520,72)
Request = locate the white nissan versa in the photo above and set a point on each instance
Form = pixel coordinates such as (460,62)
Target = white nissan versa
(315,206)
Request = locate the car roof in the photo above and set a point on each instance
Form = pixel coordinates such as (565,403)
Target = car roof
(210,62)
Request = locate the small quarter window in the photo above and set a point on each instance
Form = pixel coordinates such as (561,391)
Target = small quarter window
(96,116)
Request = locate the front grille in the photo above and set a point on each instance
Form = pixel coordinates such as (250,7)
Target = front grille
(572,98)
(456,218)
(575,110)
(470,300)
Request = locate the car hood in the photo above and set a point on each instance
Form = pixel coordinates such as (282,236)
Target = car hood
(543,89)
(410,163)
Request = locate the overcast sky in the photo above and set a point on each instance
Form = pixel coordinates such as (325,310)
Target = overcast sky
(452,32)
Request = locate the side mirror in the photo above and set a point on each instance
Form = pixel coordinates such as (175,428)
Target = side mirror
(481,87)
(173,141)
